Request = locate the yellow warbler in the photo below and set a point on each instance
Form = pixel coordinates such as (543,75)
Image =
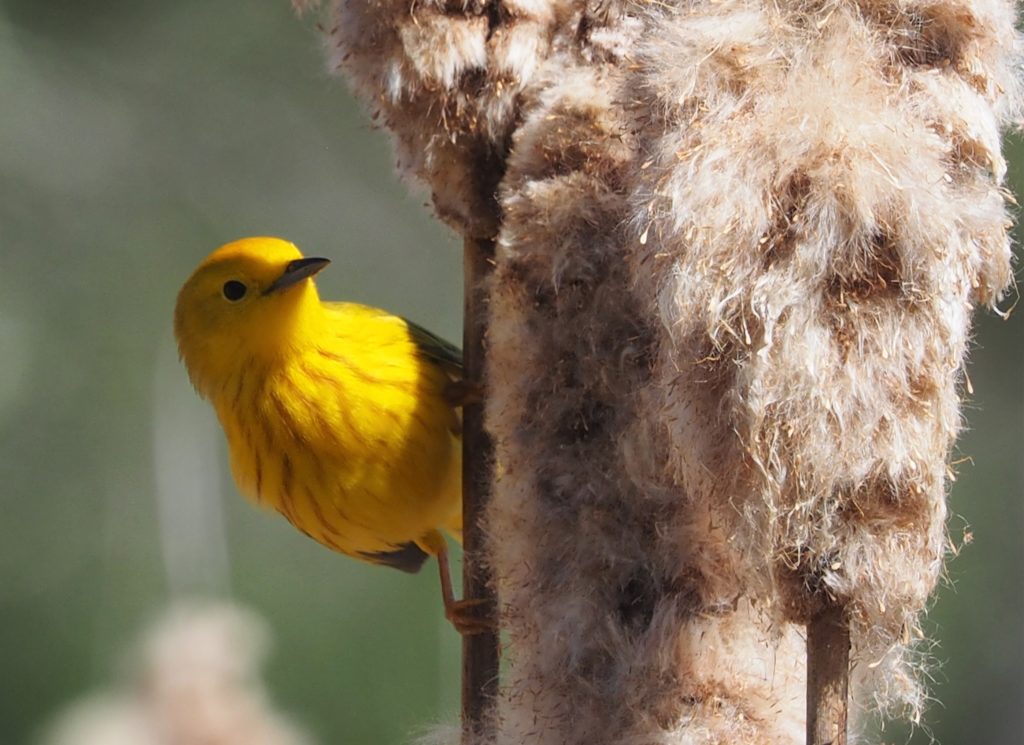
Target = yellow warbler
(337,415)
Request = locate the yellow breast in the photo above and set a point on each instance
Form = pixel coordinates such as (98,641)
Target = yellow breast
(348,436)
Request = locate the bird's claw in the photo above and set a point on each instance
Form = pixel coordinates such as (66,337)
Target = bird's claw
(468,616)
(460,393)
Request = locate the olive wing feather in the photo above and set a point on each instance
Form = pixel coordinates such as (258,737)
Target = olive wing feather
(437,350)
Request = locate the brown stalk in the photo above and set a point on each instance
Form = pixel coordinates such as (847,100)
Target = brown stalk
(828,674)
(479,651)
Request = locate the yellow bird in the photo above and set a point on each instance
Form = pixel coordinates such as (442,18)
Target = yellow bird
(339,416)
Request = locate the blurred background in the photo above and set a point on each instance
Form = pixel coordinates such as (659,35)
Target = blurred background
(137,135)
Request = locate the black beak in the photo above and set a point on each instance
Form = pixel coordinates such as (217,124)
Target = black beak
(295,272)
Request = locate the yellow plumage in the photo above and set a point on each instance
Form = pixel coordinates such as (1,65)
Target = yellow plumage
(337,415)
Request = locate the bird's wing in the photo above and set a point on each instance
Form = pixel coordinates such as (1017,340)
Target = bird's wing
(432,347)
(436,349)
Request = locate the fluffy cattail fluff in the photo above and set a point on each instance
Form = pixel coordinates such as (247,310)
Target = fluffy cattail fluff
(739,243)
(196,683)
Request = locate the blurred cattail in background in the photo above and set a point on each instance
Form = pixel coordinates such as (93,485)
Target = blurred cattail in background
(194,681)
(189,472)
(738,248)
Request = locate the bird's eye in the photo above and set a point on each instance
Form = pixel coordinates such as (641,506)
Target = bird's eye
(234,290)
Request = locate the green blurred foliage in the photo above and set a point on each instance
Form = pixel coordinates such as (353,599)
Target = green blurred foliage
(138,135)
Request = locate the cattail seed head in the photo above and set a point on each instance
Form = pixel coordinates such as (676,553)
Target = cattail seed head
(739,246)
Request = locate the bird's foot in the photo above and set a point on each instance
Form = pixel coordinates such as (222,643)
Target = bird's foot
(460,393)
(469,616)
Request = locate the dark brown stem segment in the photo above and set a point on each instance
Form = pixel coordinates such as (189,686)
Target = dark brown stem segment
(828,675)
(479,651)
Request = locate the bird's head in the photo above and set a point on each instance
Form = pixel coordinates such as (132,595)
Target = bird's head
(244,305)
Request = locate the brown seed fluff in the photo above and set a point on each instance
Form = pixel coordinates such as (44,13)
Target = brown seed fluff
(739,244)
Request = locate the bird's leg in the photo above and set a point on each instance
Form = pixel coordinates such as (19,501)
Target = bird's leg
(459,393)
(463,614)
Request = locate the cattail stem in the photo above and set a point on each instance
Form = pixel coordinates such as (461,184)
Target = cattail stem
(479,651)
(828,673)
